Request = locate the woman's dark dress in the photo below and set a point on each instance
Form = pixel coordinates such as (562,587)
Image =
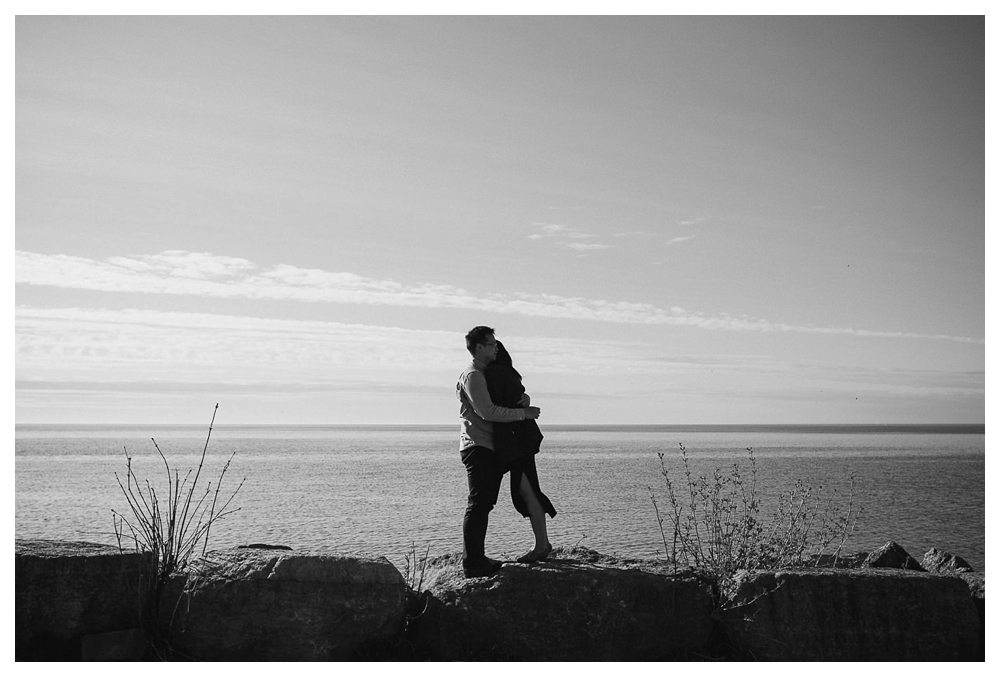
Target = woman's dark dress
(515,443)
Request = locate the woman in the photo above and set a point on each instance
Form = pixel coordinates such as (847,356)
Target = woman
(516,445)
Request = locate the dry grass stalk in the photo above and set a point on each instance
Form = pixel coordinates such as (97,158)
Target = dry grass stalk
(170,533)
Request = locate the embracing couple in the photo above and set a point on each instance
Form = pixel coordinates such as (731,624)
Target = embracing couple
(499,433)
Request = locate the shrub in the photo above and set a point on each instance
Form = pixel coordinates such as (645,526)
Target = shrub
(716,527)
(171,531)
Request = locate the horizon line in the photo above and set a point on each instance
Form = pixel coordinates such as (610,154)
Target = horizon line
(686,426)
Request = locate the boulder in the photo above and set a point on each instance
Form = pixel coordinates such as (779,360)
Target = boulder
(250,604)
(64,590)
(839,561)
(940,562)
(853,615)
(577,606)
(120,645)
(891,556)
(976,581)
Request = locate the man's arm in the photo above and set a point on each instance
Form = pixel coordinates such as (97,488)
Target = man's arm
(482,404)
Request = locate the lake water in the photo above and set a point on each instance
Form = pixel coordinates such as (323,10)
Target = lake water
(384,489)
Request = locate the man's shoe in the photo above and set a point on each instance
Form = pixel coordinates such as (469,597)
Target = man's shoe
(481,568)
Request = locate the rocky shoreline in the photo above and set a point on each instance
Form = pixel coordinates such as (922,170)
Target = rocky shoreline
(78,601)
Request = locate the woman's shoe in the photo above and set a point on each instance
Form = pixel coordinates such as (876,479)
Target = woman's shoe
(532,556)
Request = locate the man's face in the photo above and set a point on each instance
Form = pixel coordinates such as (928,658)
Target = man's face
(486,351)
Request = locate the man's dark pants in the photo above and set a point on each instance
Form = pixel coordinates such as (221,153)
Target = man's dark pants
(485,475)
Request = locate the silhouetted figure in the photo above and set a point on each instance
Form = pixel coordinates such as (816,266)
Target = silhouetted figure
(516,444)
(478,414)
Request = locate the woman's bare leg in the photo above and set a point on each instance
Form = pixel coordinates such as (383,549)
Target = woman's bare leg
(536,514)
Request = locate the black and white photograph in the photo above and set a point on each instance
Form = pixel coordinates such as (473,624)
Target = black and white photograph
(430,333)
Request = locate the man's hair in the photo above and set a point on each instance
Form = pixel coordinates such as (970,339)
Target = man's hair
(476,336)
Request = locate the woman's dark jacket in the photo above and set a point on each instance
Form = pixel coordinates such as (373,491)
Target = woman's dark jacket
(520,438)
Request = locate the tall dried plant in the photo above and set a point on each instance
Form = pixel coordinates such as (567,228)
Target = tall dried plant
(716,527)
(171,531)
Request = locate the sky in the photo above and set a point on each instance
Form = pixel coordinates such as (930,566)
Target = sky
(667,219)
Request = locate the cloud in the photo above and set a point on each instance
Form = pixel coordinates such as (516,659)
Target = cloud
(181,273)
(587,246)
(192,265)
(60,348)
(678,240)
(88,344)
(549,229)
(89,353)
(693,222)
(553,229)
(565,236)
(633,233)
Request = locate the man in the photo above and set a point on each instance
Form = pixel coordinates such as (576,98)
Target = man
(478,413)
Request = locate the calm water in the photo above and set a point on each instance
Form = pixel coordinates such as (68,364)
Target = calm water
(380,489)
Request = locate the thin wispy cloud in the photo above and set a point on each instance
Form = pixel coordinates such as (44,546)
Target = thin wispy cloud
(75,345)
(678,240)
(568,237)
(633,233)
(553,228)
(135,344)
(197,266)
(75,348)
(587,246)
(201,274)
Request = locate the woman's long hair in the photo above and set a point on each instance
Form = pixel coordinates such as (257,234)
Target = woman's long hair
(503,359)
